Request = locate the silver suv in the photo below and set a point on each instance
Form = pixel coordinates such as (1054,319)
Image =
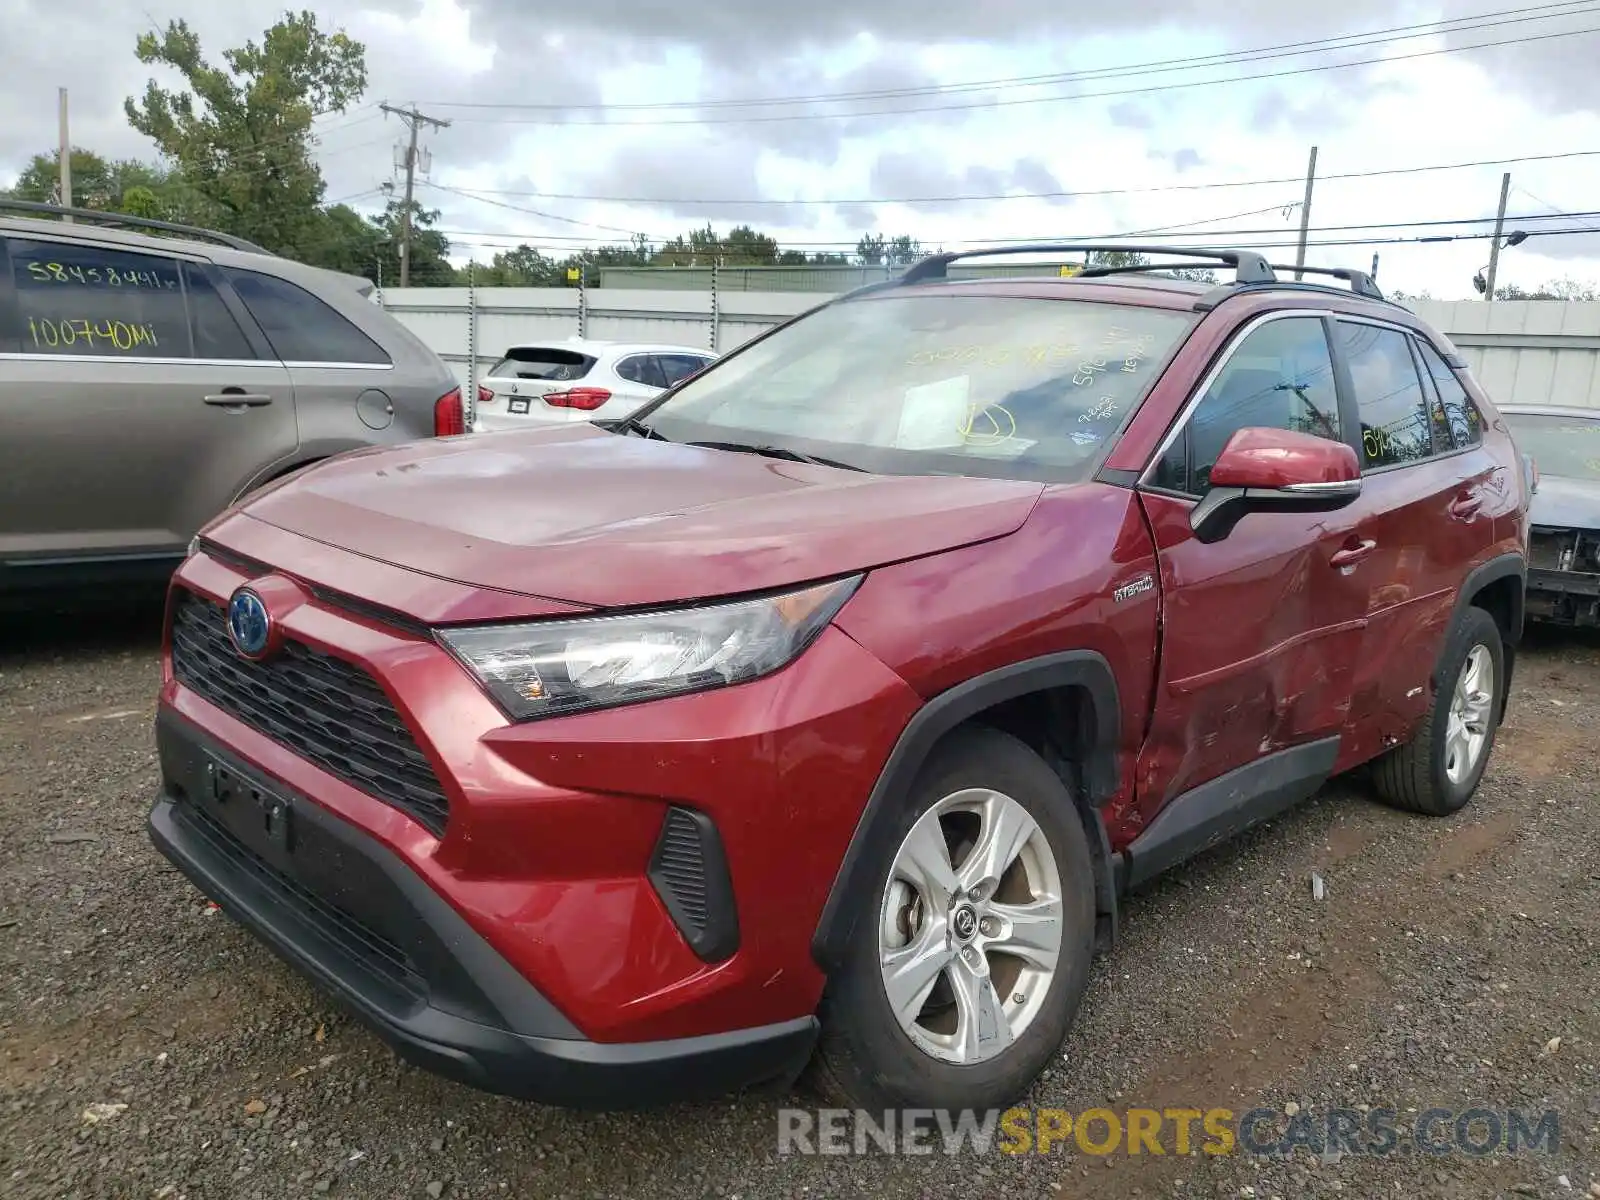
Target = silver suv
(153,374)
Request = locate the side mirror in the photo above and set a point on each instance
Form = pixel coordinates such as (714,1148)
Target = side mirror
(1274,470)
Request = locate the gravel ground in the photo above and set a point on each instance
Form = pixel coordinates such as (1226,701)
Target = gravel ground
(149,1048)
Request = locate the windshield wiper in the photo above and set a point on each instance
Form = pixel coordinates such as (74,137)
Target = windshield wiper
(634,425)
(778,452)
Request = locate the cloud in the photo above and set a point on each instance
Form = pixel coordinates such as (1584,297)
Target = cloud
(356,147)
(1185,159)
(684,169)
(1126,114)
(916,173)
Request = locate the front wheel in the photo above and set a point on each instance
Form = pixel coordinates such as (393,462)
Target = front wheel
(971,963)
(1438,770)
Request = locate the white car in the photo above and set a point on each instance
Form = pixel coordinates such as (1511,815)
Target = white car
(559,382)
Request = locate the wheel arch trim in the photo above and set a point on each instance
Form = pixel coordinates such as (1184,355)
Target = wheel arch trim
(1082,669)
(1504,566)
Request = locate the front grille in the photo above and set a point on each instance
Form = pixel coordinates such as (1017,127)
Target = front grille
(358,941)
(323,708)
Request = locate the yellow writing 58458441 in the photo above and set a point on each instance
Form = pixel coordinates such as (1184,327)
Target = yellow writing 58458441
(104,275)
(91,336)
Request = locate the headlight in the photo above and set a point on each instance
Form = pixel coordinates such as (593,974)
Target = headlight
(543,668)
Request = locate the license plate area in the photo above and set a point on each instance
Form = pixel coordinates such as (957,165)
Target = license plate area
(517,406)
(258,814)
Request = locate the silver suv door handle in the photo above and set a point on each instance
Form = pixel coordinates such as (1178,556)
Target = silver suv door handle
(239,400)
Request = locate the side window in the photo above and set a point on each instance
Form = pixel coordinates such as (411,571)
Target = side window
(1460,413)
(301,328)
(678,366)
(74,299)
(1441,429)
(216,333)
(1395,427)
(641,369)
(1280,376)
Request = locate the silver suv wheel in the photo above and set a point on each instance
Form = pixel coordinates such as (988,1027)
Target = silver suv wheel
(970,928)
(1471,711)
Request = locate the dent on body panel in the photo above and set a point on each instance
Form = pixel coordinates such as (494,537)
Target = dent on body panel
(940,620)
(1258,654)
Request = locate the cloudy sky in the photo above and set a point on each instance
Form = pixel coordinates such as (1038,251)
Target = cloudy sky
(575,124)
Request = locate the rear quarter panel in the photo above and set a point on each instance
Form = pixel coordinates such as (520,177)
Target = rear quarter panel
(326,395)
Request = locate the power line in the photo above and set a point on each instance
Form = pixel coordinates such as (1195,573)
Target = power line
(532,211)
(1220,240)
(1172,231)
(1556,209)
(1027,100)
(480,193)
(1539,12)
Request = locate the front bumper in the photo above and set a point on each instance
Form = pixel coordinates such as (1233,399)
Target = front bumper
(1561,589)
(350,914)
(1563,597)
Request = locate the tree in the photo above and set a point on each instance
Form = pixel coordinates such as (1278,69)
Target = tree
(125,185)
(1131,258)
(903,251)
(744,247)
(870,250)
(1557,289)
(344,240)
(430,249)
(240,134)
(94,182)
(522,267)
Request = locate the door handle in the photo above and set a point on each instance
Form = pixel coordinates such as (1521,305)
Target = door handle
(1465,507)
(239,398)
(1351,555)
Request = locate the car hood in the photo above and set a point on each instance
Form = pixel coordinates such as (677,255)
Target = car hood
(597,519)
(1565,503)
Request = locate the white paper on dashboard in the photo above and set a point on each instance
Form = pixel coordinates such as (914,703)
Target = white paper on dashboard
(933,415)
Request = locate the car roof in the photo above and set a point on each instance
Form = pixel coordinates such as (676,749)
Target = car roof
(1549,410)
(217,252)
(1154,290)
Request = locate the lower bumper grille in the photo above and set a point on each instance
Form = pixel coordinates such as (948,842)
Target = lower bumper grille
(356,940)
(690,873)
(325,709)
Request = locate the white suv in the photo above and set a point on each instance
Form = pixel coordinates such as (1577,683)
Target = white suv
(579,380)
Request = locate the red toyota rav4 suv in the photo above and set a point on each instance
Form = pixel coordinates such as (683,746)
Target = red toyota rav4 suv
(824,710)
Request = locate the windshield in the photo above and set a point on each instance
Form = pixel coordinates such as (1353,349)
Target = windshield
(937,384)
(1560,446)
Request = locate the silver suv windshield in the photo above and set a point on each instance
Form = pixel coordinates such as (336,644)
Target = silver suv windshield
(936,384)
(1563,446)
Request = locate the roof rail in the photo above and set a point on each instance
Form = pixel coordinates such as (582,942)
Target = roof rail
(1360,282)
(1248,266)
(123,219)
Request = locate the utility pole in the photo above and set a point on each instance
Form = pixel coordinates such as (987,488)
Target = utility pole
(414,120)
(65,166)
(1499,228)
(1305,215)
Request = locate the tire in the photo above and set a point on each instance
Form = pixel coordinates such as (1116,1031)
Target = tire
(1421,776)
(867,1058)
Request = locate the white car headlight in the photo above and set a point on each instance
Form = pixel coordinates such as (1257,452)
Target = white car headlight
(544,668)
